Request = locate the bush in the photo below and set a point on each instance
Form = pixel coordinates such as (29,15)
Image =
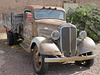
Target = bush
(86,15)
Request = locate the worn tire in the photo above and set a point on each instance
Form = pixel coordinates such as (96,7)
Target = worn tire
(89,63)
(85,63)
(78,63)
(9,38)
(15,37)
(42,66)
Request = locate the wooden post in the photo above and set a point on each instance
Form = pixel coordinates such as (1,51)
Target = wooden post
(86,27)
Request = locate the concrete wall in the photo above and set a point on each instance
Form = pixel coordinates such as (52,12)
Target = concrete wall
(18,5)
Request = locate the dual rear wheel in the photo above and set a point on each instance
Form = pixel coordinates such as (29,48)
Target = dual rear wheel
(12,38)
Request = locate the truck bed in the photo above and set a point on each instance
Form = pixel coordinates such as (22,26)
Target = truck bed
(10,20)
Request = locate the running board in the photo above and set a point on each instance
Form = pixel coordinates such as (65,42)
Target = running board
(25,46)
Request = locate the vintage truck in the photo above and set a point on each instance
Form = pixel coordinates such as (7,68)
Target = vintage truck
(46,35)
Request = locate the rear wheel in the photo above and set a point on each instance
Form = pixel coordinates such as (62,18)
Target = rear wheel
(9,38)
(15,37)
(39,66)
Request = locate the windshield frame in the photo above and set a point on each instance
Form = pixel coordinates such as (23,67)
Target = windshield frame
(49,18)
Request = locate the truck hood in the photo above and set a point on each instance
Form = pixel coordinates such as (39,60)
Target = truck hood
(51,21)
(46,26)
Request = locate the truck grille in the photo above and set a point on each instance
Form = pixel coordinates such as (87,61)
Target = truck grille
(68,41)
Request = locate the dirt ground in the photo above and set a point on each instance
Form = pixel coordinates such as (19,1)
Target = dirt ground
(15,61)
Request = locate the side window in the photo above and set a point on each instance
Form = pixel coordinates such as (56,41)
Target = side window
(28,15)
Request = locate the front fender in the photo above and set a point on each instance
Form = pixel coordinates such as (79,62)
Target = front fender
(37,41)
(45,47)
(49,49)
(87,45)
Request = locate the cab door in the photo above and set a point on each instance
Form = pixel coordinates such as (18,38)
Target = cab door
(28,17)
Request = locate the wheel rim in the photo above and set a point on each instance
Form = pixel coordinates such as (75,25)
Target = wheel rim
(37,59)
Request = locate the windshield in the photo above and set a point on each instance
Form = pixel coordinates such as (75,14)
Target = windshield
(55,14)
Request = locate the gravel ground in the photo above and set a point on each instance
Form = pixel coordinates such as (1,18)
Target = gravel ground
(15,61)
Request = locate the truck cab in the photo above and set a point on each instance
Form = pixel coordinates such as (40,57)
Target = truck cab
(41,19)
(49,39)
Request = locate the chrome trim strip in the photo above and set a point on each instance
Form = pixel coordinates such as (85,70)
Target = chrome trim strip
(70,38)
(67,25)
(61,37)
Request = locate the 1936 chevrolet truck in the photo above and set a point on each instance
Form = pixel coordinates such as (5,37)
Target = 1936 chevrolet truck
(48,37)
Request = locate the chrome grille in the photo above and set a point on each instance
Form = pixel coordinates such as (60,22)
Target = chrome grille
(68,40)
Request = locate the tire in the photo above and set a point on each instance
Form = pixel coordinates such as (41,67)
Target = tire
(88,63)
(78,63)
(15,37)
(9,38)
(39,67)
(21,30)
(85,63)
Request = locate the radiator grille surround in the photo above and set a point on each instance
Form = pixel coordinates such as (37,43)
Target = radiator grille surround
(68,42)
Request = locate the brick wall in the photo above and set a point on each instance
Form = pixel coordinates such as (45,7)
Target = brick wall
(18,5)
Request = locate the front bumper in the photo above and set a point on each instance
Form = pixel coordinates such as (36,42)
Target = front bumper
(65,59)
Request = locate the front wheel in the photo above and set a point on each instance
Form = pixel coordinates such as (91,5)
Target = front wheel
(39,66)
(86,63)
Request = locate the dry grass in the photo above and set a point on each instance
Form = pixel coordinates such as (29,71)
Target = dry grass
(3,42)
(3,36)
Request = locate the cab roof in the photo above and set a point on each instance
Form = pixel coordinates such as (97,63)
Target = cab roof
(43,7)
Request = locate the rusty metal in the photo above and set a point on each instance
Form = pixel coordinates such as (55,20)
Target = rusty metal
(65,59)
(41,7)
(39,31)
(37,59)
(49,49)
(87,45)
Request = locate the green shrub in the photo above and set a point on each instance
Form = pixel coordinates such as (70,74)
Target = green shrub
(86,15)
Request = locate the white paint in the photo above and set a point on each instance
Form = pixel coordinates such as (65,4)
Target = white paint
(37,40)
(45,28)
(89,43)
(70,6)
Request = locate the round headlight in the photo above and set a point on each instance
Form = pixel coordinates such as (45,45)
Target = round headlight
(83,34)
(55,35)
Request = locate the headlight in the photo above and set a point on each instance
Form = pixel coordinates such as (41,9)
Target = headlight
(83,34)
(55,35)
